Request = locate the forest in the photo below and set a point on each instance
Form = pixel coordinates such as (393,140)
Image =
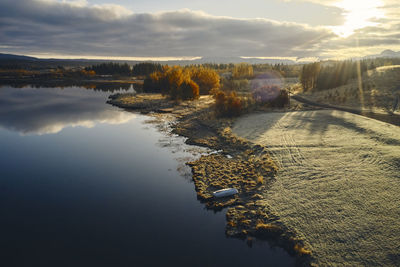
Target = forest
(330,74)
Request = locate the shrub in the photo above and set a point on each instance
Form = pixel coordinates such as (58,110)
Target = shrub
(156,83)
(266,230)
(220,100)
(228,104)
(238,85)
(301,250)
(272,96)
(189,90)
(89,73)
(266,93)
(282,100)
(234,105)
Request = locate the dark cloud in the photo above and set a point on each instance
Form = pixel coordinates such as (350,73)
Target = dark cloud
(74,28)
(34,27)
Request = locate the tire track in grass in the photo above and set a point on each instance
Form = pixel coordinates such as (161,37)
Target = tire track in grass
(338,185)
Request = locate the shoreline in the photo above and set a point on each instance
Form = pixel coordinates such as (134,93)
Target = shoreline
(239,163)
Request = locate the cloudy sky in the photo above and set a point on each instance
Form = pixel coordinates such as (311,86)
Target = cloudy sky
(185,29)
(49,110)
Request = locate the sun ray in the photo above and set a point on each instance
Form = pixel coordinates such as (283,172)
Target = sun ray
(358,14)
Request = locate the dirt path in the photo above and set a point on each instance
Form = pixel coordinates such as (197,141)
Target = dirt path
(338,184)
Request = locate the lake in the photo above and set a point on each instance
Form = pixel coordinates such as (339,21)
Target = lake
(84,183)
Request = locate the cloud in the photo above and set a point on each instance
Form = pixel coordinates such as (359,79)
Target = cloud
(74,27)
(381,28)
(50,110)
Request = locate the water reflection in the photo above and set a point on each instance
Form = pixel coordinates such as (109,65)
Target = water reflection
(49,110)
(112,195)
(104,86)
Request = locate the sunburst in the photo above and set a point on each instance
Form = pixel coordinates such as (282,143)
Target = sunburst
(358,14)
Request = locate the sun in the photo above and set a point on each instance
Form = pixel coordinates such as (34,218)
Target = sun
(358,14)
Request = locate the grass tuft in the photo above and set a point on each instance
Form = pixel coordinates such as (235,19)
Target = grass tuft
(231,223)
(301,250)
(267,226)
(260,180)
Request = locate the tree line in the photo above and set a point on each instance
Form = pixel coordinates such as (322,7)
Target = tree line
(182,82)
(238,71)
(330,74)
(124,69)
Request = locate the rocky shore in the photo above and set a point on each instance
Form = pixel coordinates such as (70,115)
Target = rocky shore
(239,164)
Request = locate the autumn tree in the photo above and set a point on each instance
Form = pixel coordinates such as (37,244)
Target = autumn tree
(228,104)
(242,70)
(189,90)
(206,78)
(174,82)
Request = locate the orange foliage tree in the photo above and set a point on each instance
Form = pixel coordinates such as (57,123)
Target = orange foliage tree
(228,104)
(207,79)
(173,81)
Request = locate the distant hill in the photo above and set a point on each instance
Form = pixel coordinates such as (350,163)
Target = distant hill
(216,60)
(250,60)
(15,57)
(390,53)
(386,53)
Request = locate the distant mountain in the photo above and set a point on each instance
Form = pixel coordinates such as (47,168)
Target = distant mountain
(250,60)
(217,60)
(390,53)
(386,53)
(15,57)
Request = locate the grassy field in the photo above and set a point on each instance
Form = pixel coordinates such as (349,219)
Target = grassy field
(338,185)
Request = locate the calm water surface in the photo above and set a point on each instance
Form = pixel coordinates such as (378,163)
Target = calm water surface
(83,183)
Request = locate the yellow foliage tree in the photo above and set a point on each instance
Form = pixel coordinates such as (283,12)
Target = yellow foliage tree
(242,70)
(173,81)
(206,78)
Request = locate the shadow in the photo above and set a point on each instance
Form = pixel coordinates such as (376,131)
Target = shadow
(389,118)
(315,122)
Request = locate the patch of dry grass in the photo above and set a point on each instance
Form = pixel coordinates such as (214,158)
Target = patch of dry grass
(300,250)
(260,180)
